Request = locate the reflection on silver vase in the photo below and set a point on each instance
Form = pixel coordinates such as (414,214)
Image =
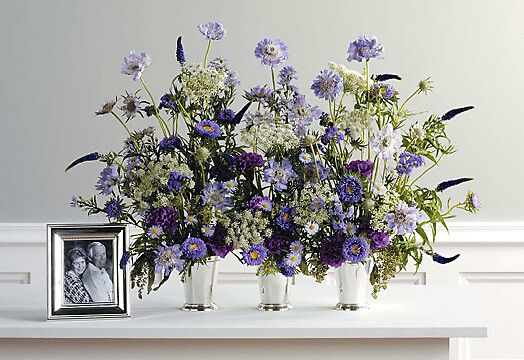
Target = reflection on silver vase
(274,293)
(353,285)
(199,288)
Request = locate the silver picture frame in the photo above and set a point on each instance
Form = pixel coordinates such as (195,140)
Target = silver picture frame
(84,277)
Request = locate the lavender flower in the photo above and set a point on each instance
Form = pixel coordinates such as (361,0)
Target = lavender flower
(212,31)
(303,114)
(191,220)
(167,258)
(108,178)
(327,85)
(331,251)
(279,174)
(349,189)
(404,219)
(271,52)
(217,242)
(330,133)
(249,161)
(166,217)
(208,129)
(180,57)
(261,94)
(286,75)
(355,249)
(89,157)
(194,248)
(215,195)
(365,49)
(135,64)
(452,113)
(225,116)
(361,167)
(449,183)
(255,255)
(131,106)
(170,143)
(155,231)
(113,208)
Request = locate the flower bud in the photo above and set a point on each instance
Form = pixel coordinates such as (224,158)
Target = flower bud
(202,154)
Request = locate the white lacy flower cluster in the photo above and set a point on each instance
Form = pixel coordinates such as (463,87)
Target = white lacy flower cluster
(386,204)
(203,82)
(245,229)
(353,81)
(150,179)
(304,204)
(267,136)
(357,121)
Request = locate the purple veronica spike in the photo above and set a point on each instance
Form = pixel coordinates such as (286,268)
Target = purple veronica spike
(135,64)
(385,77)
(212,31)
(449,183)
(271,52)
(89,157)
(444,260)
(180,57)
(452,113)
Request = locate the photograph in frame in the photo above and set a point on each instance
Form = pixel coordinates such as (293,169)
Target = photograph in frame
(85,280)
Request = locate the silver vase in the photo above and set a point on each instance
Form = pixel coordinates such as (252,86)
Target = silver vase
(353,285)
(274,293)
(199,288)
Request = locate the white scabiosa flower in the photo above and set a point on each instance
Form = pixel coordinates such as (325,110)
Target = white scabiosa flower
(386,142)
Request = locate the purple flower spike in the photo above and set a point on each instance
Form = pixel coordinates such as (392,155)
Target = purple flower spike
(212,31)
(135,64)
(271,52)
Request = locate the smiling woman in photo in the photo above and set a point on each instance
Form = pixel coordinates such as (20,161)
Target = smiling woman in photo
(75,265)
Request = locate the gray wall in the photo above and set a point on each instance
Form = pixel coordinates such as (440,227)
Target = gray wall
(60,61)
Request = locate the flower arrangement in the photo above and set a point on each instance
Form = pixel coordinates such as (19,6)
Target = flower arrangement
(306,189)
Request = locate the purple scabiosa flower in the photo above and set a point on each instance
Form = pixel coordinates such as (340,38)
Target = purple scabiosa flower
(149,131)
(311,228)
(232,78)
(285,218)
(208,129)
(212,31)
(293,259)
(349,189)
(165,217)
(287,271)
(191,220)
(170,143)
(89,157)
(365,49)
(452,113)
(327,85)
(261,94)
(286,75)
(444,260)
(279,174)
(155,231)
(385,91)
(305,158)
(194,248)
(176,181)
(215,195)
(113,208)
(249,161)
(355,249)
(217,242)
(167,101)
(277,242)
(134,64)
(207,230)
(317,203)
(296,247)
(271,52)
(225,116)
(108,178)
(303,114)
(360,167)
(310,172)
(259,203)
(168,258)
(331,251)
(149,110)
(404,219)
(255,255)
(386,142)
(131,106)
(378,239)
(449,183)
(106,108)
(379,189)
(180,57)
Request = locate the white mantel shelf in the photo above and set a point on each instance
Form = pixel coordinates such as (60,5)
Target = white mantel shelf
(400,312)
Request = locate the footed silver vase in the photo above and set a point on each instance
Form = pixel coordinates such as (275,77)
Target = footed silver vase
(274,293)
(353,285)
(199,288)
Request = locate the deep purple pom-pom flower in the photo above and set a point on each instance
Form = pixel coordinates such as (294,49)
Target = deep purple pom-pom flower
(249,161)
(355,249)
(277,242)
(362,167)
(364,49)
(349,189)
(225,116)
(194,248)
(331,251)
(255,255)
(165,217)
(217,242)
(378,239)
(113,208)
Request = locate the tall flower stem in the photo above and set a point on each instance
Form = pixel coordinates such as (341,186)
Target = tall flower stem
(403,104)
(127,129)
(315,159)
(207,52)
(273,78)
(163,125)
(429,168)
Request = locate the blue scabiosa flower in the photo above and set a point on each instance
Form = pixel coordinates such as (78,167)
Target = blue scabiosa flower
(108,178)
(212,31)
(168,258)
(287,271)
(170,143)
(279,174)
(215,195)
(452,113)
(327,85)
(208,230)
(317,203)
(155,231)
(134,64)
(365,49)
(385,91)
(261,94)
(89,157)
(303,114)
(208,129)
(296,247)
(180,57)
(449,183)
(349,189)
(355,249)
(113,208)
(271,52)
(404,219)
(293,259)
(225,116)
(194,248)
(311,228)
(386,142)
(286,75)
(255,255)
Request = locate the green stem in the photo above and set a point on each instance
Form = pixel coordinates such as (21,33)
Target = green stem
(403,104)
(127,129)
(429,168)
(157,115)
(273,78)
(331,110)
(315,159)
(207,52)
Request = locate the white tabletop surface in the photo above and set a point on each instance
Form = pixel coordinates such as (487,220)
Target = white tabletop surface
(399,312)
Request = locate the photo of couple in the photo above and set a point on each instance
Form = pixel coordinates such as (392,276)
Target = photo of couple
(88,274)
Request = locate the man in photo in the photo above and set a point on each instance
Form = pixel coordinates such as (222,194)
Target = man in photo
(95,278)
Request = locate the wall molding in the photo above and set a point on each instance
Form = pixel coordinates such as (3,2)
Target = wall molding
(461,234)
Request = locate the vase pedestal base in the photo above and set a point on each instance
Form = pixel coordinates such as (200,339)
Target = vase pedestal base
(350,307)
(199,307)
(275,307)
